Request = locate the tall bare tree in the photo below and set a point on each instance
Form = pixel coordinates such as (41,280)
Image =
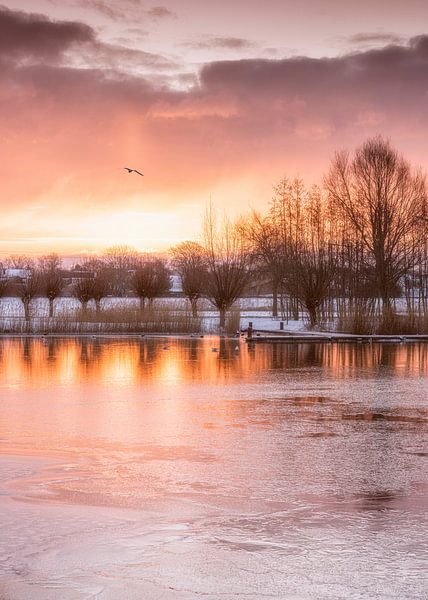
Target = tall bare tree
(228,263)
(312,256)
(267,249)
(285,219)
(384,200)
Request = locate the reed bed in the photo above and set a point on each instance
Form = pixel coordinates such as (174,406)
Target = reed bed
(158,319)
(366,319)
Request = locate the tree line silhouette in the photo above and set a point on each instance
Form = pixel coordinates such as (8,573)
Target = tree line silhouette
(342,251)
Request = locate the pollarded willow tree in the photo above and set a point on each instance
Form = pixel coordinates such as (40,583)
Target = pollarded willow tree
(83,290)
(27,290)
(150,280)
(228,263)
(51,280)
(190,260)
(382,199)
(118,263)
(100,289)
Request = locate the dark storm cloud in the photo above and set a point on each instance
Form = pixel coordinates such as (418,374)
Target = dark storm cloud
(24,35)
(240,117)
(356,75)
(32,38)
(255,96)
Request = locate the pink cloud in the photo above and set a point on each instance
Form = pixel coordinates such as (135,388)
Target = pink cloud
(66,132)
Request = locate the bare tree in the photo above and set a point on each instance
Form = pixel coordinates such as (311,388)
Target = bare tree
(100,288)
(384,201)
(228,263)
(285,220)
(311,255)
(27,290)
(49,262)
(267,249)
(51,280)
(20,261)
(119,262)
(190,260)
(4,286)
(83,290)
(151,280)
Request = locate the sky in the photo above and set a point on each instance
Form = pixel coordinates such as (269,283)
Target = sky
(210,100)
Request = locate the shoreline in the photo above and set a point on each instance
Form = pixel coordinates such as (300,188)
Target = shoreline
(344,338)
(258,336)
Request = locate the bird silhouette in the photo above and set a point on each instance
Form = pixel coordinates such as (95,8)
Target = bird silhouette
(133,171)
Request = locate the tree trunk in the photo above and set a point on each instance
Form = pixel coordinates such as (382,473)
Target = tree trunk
(313,316)
(26,304)
(142,303)
(51,307)
(386,303)
(98,305)
(295,309)
(274,298)
(194,305)
(222,318)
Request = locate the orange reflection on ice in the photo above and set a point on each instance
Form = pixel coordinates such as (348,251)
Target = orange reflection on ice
(168,362)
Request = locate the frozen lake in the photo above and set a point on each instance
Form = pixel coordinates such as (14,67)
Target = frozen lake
(161,469)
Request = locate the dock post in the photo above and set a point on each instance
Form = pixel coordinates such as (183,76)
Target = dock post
(250,330)
(281,325)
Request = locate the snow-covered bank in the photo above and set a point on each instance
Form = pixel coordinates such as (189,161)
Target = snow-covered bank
(121,315)
(171,315)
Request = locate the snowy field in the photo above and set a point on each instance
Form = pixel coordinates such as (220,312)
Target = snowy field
(256,310)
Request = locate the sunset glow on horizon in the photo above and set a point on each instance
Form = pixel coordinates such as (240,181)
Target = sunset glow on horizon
(209,100)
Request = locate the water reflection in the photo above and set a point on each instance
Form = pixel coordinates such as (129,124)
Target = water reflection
(148,359)
(321,406)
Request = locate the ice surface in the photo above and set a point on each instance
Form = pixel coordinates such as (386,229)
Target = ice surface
(291,472)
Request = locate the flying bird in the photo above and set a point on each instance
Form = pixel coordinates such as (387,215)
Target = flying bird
(133,171)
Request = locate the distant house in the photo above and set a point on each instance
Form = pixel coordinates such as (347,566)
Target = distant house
(17,274)
(72,276)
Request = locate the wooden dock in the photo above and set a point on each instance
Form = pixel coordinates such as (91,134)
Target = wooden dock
(284,337)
